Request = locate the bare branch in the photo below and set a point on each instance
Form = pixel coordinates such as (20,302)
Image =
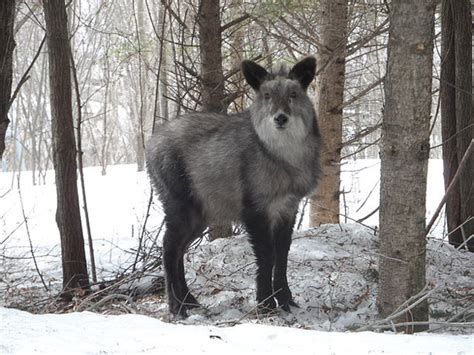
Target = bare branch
(25,219)
(26,76)
(453,182)
(359,95)
(234,22)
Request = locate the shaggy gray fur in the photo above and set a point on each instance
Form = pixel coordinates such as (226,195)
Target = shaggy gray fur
(255,165)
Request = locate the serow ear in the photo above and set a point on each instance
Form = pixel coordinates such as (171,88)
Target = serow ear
(304,71)
(254,74)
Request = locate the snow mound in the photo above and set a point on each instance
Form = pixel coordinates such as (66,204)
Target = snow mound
(332,272)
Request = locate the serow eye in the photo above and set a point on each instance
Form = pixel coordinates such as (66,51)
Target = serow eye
(293,94)
(266,96)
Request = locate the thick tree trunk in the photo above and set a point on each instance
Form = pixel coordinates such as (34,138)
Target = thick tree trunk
(404,158)
(448,119)
(210,42)
(456,115)
(68,217)
(237,42)
(212,74)
(7,45)
(332,15)
(464,118)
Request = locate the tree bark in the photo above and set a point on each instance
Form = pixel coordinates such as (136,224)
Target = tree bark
(404,158)
(456,115)
(464,118)
(142,99)
(163,83)
(332,16)
(68,217)
(236,42)
(7,45)
(212,74)
(210,43)
(104,152)
(447,98)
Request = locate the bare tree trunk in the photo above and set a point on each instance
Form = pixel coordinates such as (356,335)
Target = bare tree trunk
(104,154)
(162,84)
(237,48)
(35,125)
(404,158)
(210,42)
(456,115)
(212,74)
(464,118)
(448,119)
(68,217)
(331,57)
(143,84)
(7,45)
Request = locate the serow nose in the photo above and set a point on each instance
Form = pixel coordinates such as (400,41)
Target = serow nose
(281,119)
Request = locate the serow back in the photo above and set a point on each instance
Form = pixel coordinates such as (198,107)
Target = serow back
(253,167)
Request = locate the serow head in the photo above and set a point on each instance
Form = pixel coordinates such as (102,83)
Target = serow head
(281,103)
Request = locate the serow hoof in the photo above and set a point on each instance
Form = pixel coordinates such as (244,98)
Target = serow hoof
(179,310)
(286,306)
(266,306)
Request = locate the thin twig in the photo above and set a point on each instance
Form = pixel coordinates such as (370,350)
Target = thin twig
(360,220)
(411,324)
(420,297)
(305,204)
(25,218)
(467,239)
(81,168)
(114,296)
(254,308)
(25,76)
(142,234)
(234,22)
(360,94)
(104,290)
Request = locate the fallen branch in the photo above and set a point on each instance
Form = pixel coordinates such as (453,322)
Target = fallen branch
(255,308)
(402,309)
(412,324)
(115,296)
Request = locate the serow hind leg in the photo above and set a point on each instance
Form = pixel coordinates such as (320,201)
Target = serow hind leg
(173,280)
(189,300)
(179,234)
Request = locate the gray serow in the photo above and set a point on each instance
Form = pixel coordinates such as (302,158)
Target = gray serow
(252,167)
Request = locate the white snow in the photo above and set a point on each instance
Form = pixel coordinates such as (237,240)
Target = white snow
(89,333)
(332,272)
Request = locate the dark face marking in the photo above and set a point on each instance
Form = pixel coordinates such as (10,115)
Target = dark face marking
(282,113)
(280,96)
(284,103)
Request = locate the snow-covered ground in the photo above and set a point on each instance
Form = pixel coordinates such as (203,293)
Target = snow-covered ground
(332,273)
(89,333)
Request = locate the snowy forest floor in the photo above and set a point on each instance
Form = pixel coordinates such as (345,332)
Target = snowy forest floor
(332,272)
